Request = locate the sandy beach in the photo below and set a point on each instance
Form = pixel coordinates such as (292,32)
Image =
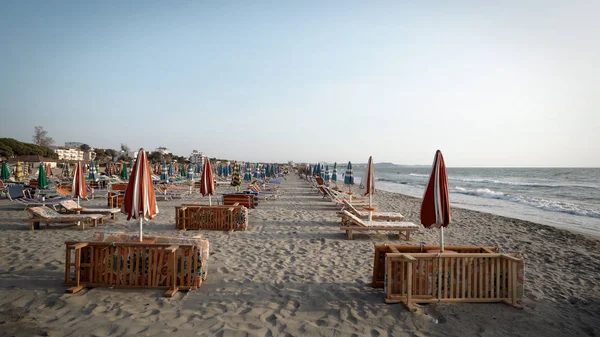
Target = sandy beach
(294,273)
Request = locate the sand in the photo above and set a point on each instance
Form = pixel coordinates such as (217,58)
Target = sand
(294,273)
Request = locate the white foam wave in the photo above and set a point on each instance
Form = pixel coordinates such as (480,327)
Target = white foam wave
(548,205)
(510,183)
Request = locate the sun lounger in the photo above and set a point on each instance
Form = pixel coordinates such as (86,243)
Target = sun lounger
(71,207)
(244,199)
(17,193)
(355,224)
(47,215)
(364,215)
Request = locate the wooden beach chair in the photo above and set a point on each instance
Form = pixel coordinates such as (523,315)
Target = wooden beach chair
(70,206)
(17,193)
(364,215)
(356,224)
(244,199)
(47,215)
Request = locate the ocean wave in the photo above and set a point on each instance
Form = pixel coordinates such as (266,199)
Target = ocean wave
(510,183)
(547,205)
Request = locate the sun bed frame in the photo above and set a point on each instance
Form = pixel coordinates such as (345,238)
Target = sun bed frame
(244,199)
(47,215)
(363,215)
(217,217)
(70,206)
(353,223)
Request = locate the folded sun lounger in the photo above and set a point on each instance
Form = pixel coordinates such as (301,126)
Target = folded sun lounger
(71,207)
(47,215)
(364,215)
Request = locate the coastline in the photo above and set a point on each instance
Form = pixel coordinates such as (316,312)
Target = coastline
(293,272)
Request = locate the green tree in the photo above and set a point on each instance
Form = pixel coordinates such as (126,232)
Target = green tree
(85,147)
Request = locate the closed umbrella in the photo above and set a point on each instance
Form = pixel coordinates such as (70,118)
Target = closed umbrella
(5,173)
(78,188)
(139,201)
(93,176)
(124,172)
(190,174)
(230,169)
(220,170)
(42,180)
(226,170)
(235,175)
(334,176)
(248,173)
(131,166)
(349,178)
(48,170)
(171,169)
(435,209)
(207,182)
(19,176)
(65,170)
(367,185)
(327,173)
(164,174)
(310,170)
(182,171)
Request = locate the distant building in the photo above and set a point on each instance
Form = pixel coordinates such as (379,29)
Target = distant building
(162,150)
(68,153)
(197,157)
(132,154)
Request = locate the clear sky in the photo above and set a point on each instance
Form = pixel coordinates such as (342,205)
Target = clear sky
(490,83)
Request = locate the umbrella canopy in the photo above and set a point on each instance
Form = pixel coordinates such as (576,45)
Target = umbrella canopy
(327,173)
(248,173)
(93,176)
(182,171)
(349,178)
(367,183)
(65,170)
(19,176)
(79,189)
(235,174)
(225,170)
(42,180)
(171,171)
(334,173)
(48,168)
(191,170)
(5,173)
(139,201)
(124,172)
(164,173)
(220,170)
(131,166)
(310,170)
(230,169)
(435,209)
(207,181)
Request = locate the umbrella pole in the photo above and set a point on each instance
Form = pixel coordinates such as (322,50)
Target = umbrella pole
(441,239)
(141,229)
(209,201)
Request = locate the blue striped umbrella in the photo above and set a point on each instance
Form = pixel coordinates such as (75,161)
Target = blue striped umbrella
(248,173)
(220,170)
(310,170)
(164,173)
(93,175)
(230,170)
(327,175)
(334,174)
(349,178)
(198,168)
(191,169)
(256,173)
(225,170)
(171,170)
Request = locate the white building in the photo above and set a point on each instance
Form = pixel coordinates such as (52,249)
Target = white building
(162,150)
(197,157)
(68,153)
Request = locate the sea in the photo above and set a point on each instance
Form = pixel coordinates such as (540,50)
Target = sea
(567,198)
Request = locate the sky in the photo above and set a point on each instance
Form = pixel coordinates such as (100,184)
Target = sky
(490,83)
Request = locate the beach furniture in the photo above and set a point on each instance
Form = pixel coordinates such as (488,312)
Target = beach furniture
(3,189)
(339,198)
(120,260)
(116,193)
(244,199)
(42,214)
(452,276)
(17,193)
(70,206)
(212,217)
(363,215)
(353,223)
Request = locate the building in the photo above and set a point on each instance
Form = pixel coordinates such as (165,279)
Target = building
(162,150)
(68,153)
(197,157)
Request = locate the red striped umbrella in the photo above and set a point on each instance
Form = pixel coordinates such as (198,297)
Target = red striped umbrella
(435,209)
(79,189)
(139,201)
(207,181)
(367,184)
(48,170)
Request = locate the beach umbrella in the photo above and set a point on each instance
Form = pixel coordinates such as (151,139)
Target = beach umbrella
(334,173)
(139,201)
(248,173)
(124,172)
(235,175)
(198,168)
(207,182)
(182,171)
(327,173)
(48,168)
(164,173)
(5,173)
(367,185)
(19,176)
(230,169)
(226,170)
(435,209)
(220,170)
(190,174)
(310,170)
(93,176)
(42,180)
(78,188)
(65,170)
(171,169)
(349,178)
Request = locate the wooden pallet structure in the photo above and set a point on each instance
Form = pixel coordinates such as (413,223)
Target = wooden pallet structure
(216,217)
(244,199)
(460,274)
